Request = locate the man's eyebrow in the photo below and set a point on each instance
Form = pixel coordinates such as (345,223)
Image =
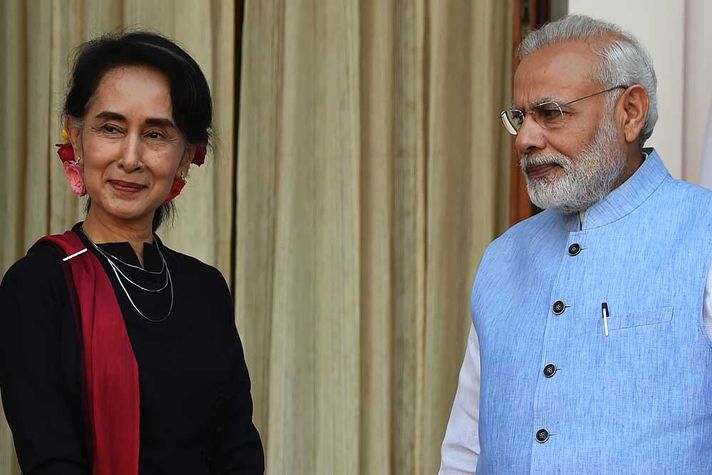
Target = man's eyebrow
(546,99)
(531,105)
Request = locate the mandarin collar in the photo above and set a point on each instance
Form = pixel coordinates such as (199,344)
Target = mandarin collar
(123,250)
(624,199)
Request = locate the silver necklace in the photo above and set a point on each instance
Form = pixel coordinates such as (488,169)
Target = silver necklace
(118,273)
(110,256)
(117,269)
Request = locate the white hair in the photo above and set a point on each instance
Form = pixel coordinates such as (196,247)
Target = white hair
(624,60)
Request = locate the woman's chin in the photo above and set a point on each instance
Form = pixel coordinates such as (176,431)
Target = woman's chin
(130,214)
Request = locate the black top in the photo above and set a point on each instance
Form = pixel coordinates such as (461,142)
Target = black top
(195,404)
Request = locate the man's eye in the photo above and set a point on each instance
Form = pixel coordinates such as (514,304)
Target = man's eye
(549,114)
(516,116)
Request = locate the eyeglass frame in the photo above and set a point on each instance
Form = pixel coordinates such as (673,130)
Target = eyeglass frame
(509,126)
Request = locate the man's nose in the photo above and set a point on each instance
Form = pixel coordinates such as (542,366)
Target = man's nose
(530,136)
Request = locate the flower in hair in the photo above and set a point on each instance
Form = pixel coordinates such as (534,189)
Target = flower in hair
(178,184)
(75,176)
(73,171)
(199,157)
(65,152)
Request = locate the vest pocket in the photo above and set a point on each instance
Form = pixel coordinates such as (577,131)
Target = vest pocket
(639,319)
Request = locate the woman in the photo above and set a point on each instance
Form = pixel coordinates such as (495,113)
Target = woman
(117,354)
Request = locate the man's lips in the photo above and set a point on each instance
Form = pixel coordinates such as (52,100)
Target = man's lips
(540,171)
(126,186)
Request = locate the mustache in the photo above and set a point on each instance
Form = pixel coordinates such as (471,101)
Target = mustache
(527,161)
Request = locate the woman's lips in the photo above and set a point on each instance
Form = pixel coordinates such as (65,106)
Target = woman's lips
(126,186)
(540,171)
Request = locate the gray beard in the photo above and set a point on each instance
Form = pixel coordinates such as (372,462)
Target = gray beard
(587,177)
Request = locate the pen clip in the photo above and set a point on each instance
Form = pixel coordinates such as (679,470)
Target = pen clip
(604,312)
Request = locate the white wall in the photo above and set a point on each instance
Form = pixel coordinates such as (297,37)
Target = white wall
(677,34)
(698,84)
(660,26)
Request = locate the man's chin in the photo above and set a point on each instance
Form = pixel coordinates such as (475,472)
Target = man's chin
(541,195)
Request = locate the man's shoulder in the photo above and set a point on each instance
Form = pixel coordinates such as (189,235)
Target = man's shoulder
(544,222)
(685,196)
(690,188)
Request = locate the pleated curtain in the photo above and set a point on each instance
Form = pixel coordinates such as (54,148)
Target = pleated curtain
(358,173)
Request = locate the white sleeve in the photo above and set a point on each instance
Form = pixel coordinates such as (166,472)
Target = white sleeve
(707,305)
(461,446)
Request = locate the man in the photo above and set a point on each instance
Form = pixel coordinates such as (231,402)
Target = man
(591,348)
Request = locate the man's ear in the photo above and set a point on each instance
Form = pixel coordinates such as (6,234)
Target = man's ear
(634,108)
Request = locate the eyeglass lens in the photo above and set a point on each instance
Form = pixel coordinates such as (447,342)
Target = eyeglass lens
(548,115)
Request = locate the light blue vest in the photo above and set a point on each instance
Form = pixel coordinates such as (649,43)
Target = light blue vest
(558,396)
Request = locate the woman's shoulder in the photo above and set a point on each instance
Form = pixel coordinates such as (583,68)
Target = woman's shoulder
(35,285)
(201,273)
(40,267)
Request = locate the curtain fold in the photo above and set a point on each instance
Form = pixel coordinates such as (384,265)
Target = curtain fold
(38,42)
(372,173)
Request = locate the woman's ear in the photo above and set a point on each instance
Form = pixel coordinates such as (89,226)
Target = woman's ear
(634,105)
(186,160)
(74,132)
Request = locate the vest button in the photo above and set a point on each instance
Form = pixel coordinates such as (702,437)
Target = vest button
(559,307)
(542,435)
(574,249)
(549,370)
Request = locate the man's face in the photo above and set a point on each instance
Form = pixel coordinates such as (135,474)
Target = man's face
(573,166)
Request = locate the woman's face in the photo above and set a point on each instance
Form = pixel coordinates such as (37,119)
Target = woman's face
(129,145)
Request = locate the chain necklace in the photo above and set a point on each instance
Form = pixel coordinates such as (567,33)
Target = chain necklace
(119,274)
(110,256)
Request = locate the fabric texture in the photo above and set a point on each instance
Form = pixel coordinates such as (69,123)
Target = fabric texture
(372,172)
(195,404)
(39,40)
(110,369)
(633,401)
(367,174)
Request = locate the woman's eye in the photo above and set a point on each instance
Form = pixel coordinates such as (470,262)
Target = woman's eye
(154,135)
(110,129)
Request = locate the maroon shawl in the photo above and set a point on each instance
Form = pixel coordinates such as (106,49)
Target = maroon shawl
(110,368)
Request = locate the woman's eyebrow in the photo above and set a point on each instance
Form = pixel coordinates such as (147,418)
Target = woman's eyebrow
(159,121)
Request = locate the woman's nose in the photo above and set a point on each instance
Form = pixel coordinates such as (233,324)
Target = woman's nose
(131,158)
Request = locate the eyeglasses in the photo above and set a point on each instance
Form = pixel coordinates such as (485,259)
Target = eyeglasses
(549,114)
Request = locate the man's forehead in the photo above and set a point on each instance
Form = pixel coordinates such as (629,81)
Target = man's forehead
(556,71)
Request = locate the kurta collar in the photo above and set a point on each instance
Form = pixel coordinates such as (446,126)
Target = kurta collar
(624,199)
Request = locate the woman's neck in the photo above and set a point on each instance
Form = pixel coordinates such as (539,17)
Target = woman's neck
(102,231)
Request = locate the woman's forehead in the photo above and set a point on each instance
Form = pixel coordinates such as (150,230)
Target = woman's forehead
(133,89)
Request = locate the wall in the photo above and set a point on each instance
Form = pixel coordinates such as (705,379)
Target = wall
(674,32)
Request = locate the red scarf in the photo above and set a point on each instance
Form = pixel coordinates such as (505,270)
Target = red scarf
(110,368)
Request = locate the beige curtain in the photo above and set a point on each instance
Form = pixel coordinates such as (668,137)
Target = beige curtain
(38,37)
(372,173)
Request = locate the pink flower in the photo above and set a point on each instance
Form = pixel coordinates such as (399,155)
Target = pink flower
(65,152)
(178,184)
(75,177)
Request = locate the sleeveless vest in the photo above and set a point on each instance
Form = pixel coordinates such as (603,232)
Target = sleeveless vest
(558,395)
